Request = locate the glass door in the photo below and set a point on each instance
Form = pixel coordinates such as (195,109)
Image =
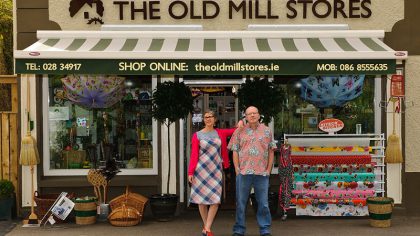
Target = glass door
(222,101)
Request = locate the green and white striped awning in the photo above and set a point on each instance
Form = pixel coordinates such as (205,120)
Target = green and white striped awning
(208,45)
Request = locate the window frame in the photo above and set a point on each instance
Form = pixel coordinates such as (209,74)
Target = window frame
(80,172)
(377,98)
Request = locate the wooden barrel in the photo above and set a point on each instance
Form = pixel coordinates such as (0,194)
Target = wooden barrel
(380,211)
(85,211)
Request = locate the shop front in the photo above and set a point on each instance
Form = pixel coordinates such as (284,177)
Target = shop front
(79,127)
(97,86)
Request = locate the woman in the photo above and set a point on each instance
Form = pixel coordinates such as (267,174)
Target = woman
(208,154)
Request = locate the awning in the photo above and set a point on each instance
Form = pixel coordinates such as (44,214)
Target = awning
(208,52)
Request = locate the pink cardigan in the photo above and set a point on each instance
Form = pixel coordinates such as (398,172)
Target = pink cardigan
(195,147)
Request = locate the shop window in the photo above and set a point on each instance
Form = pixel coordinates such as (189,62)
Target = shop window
(94,118)
(299,116)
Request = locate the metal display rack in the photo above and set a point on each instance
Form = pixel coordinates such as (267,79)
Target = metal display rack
(377,144)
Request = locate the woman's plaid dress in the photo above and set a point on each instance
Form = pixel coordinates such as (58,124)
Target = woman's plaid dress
(206,187)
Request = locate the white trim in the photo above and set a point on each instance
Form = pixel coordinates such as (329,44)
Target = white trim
(26,173)
(150,27)
(288,27)
(377,104)
(212,34)
(393,170)
(181,161)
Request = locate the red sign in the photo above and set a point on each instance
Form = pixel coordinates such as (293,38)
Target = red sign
(397,86)
(331,125)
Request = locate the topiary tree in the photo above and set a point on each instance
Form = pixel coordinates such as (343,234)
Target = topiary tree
(171,101)
(263,94)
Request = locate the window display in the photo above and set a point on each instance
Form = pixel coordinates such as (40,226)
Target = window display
(93,118)
(300,114)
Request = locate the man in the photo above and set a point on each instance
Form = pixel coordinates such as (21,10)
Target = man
(253,155)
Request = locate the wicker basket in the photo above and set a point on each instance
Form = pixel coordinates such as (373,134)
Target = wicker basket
(44,203)
(124,216)
(85,211)
(380,211)
(129,199)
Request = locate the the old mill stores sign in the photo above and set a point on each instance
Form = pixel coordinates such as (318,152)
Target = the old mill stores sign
(97,12)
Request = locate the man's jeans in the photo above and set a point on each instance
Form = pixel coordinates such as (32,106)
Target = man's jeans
(244,183)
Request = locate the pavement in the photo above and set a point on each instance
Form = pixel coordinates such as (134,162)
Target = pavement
(189,223)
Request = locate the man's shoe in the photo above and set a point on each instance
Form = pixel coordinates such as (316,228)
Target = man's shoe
(267,234)
(236,234)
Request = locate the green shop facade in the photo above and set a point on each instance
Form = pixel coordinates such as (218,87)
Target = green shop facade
(212,59)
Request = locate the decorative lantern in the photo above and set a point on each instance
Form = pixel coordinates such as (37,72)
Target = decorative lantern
(397,86)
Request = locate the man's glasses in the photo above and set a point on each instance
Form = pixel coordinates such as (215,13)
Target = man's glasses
(208,117)
(252,113)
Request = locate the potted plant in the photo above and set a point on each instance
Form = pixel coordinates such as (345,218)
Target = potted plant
(265,95)
(171,101)
(7,198)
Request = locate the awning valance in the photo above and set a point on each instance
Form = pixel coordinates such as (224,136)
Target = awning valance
(204,52)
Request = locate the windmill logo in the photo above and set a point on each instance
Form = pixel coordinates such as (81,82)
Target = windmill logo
(91,16)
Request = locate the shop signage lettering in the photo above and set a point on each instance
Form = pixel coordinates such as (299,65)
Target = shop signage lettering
(211,9)
(210,66)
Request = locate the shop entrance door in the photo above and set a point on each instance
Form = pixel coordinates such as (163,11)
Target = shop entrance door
(222,101)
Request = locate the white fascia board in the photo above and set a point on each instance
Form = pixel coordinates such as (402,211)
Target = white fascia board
(151,27)
(298,27)
(213,34)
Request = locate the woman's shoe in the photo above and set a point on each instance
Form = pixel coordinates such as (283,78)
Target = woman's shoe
(209,233)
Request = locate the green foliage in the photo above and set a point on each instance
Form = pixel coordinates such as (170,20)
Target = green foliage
(263,94)
(6,189)
(171,101)
(6,33)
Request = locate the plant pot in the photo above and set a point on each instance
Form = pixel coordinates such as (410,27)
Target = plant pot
(6,205)
(273,200)
(103,212)
(380,211)
(163,206)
